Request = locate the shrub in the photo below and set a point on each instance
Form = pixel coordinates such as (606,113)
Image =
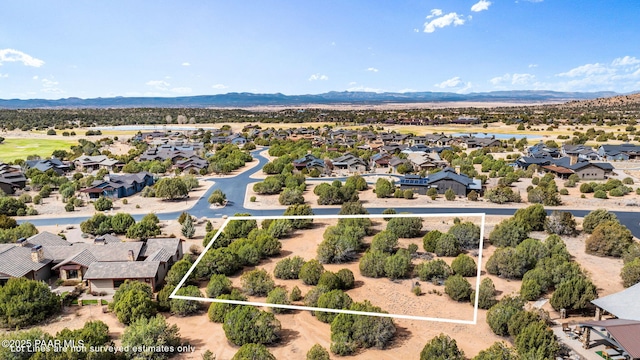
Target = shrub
(296,294)
(218,310)
(133,300)
(506,262)
(334,299)
(257,283)
(534,216)
(317,352)
(26,302)
(441,347)
(183,307)
(405,227)
(600,194)
(497,351)
(69,207)
(430,240)
(631,273)
(487,295)
(347,280)
(146,334)
(467,233)
(408,194)
(384,188)
(288,268)
(433,270)
(464,265)
(575,293)
(397,266)
(509,232)
(458,288)
(595,217)
(609,238)
(447,245)
(247,324)
(385,241)
(499,315)
(253,351)
(291,197)
(521,320)
(310,272)
(472,195)
(560,223)
(330,281)
(350,332)
(103,204)
(218,284)
(278,296)
(449,194)
(537,341)
(372,264)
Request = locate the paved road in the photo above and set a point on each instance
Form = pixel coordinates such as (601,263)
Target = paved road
(235,189)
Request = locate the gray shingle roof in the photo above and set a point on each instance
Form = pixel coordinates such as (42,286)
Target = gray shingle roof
(122,270)
(46,238)
(170,245)
(84,258)
(160,255)
(16,262)
(107,252)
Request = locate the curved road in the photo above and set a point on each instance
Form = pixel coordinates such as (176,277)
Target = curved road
(235,189)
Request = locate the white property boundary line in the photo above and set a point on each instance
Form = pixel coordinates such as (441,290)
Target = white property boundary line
(370,216)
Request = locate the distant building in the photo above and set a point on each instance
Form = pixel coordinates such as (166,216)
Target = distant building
(119,186)
(442,181)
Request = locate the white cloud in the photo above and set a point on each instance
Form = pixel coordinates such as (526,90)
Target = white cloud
(408,90)
(434,13)
(35,77)
(12,55)
(450,83)
(158,84)
(219,86)
(481,6)
(533,66)
(442,21)
(586,70)
(372,69)
(366,89)
(4,75)
(625,61)
(181,90)
(352,83)
(513,79)
(51,86)
(315,77)
(186,64)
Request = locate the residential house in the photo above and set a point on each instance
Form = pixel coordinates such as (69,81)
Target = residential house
(192,164)
(60,167)
(591,171)
(473,142)
(350,163)
(93,163)
(11,178)
(624,151)
(579,152)
(309,162)
(380,161)
(395,162)
(425,161)
(119,186)
(542,150)
(442,181)
(104,264)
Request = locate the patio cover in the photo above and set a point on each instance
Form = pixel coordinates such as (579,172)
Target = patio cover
(623,305)
(624,332)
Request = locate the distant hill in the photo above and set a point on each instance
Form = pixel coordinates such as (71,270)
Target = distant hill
(245,100)
(615,101)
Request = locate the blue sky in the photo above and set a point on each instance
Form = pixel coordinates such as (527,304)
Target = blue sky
(59,49)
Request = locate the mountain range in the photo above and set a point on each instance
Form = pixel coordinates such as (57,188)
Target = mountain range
(245,100)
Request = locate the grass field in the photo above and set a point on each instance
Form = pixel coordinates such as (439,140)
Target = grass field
(12,149)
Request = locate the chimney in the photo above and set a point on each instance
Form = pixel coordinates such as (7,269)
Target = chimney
(99,240)
(37,253)
(573,159)
(131,256)
(22,241)
(457,169)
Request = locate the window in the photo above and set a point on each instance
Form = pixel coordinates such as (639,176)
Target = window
(117,283)
(72,274)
